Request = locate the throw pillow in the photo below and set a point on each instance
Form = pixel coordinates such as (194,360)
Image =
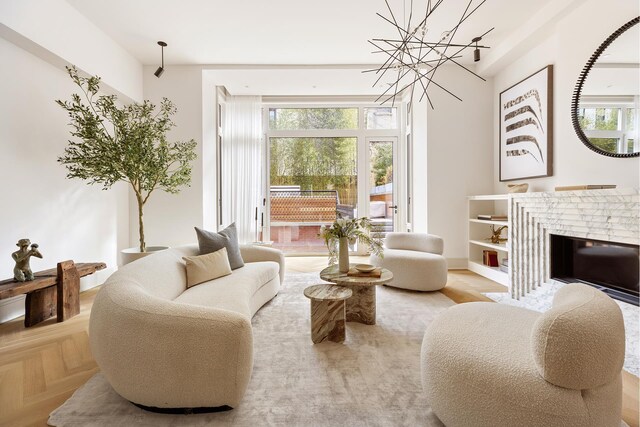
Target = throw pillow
(210,241)
(203,268)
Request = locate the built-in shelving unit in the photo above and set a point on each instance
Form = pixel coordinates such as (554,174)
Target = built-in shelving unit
(479,233)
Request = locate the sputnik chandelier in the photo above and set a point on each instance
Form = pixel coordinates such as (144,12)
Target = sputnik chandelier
(413,61)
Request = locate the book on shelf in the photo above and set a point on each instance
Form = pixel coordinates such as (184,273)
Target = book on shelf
(492,217)
(490,258)
(505,262)
(584,187)
(504,268)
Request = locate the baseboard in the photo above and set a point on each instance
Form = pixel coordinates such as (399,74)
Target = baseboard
(11,308)
(14,307)
(457,263)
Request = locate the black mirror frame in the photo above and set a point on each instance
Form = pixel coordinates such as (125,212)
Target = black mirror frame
(578,90)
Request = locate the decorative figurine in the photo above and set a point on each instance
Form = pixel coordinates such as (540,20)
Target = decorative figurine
(495,238)
(22,271)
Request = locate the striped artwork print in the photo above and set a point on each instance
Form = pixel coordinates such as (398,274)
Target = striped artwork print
(525,113)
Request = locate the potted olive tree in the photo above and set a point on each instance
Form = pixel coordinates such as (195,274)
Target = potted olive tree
(127,143)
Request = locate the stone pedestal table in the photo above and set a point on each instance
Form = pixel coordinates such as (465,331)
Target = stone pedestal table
(327,312)
(361,307)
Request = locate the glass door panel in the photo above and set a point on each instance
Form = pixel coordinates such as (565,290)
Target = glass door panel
(382,197)
(312,180)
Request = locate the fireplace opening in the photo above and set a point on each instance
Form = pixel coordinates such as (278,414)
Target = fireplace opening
(611,267)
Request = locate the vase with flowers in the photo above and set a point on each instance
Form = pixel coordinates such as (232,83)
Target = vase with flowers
(349,231)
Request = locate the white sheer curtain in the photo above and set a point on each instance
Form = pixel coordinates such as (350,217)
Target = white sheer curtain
(242,164)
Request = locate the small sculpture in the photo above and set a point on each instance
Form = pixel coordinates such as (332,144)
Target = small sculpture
(495,238)
(22,271)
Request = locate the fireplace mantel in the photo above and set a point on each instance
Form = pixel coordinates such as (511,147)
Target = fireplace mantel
(608,215)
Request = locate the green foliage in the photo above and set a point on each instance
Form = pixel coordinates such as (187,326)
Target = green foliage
(313,118)
(382,162)
(609,145)
(316,164)
(356,230)
(124,143)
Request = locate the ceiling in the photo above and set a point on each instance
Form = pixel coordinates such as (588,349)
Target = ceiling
(283,31)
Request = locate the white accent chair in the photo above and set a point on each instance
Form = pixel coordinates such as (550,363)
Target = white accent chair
(416,261)
(493,365)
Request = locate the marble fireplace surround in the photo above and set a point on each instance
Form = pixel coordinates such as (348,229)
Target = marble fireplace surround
(608,215)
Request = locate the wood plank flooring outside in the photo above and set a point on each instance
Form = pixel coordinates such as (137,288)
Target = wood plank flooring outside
(42,366)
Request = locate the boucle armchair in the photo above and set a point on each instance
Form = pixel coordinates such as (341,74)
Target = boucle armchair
(494,365)
(416,261)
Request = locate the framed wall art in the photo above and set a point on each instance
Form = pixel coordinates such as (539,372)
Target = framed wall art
(526,127)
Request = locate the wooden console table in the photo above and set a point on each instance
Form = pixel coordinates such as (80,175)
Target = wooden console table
(53,292)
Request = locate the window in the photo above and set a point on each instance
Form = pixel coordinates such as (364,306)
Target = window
(612,128)
(313,118)
(381,118)
(326,161)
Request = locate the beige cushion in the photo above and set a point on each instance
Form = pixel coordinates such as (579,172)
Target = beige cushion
(579,343)
(233,292)
(203,268)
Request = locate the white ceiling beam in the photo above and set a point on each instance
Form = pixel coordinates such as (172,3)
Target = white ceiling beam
(528,35)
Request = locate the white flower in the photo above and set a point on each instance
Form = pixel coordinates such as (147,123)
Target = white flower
(342,222)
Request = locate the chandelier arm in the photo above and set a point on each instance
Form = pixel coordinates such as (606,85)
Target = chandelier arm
(454,31)
(386,63)
(417,59)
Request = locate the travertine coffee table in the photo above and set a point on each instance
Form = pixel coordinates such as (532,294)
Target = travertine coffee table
(361,307)
(327,312)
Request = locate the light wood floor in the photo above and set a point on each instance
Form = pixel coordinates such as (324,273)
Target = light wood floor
(42,366)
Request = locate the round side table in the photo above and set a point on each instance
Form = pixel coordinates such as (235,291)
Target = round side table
(361,307)
(327,312)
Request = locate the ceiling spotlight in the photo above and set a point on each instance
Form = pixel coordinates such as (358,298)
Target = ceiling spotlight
(476,53)
(160,69)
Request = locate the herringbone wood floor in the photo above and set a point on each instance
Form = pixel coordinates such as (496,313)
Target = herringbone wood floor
(42,366)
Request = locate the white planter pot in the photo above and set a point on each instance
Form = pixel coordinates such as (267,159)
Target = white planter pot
(132,254)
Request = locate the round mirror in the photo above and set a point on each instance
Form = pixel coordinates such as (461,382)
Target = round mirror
(606,101)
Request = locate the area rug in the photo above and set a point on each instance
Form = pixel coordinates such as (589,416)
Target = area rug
(541,299)
(372,379)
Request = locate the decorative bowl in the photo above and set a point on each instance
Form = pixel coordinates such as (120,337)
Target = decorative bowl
(517,188)
(365,268)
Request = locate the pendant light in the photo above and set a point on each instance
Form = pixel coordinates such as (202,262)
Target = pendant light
(414,54)
(476,53)
(160,69)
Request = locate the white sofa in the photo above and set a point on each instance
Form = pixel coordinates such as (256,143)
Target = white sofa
(161,345)
(492,365)
(416,261)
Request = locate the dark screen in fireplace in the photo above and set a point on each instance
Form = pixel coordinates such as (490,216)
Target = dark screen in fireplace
(613,267)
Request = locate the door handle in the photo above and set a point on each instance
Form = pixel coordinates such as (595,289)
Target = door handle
(395,208)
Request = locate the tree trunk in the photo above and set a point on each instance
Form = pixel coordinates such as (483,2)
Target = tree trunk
(143,246)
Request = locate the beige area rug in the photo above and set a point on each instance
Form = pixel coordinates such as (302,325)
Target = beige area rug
(372,379)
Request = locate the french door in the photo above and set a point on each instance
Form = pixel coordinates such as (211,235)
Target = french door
(381,197)
(325,162)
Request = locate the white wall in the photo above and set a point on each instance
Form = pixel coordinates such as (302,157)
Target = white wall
(569,46)
(459,157)
(69,219)
(169,218)
(55,30)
